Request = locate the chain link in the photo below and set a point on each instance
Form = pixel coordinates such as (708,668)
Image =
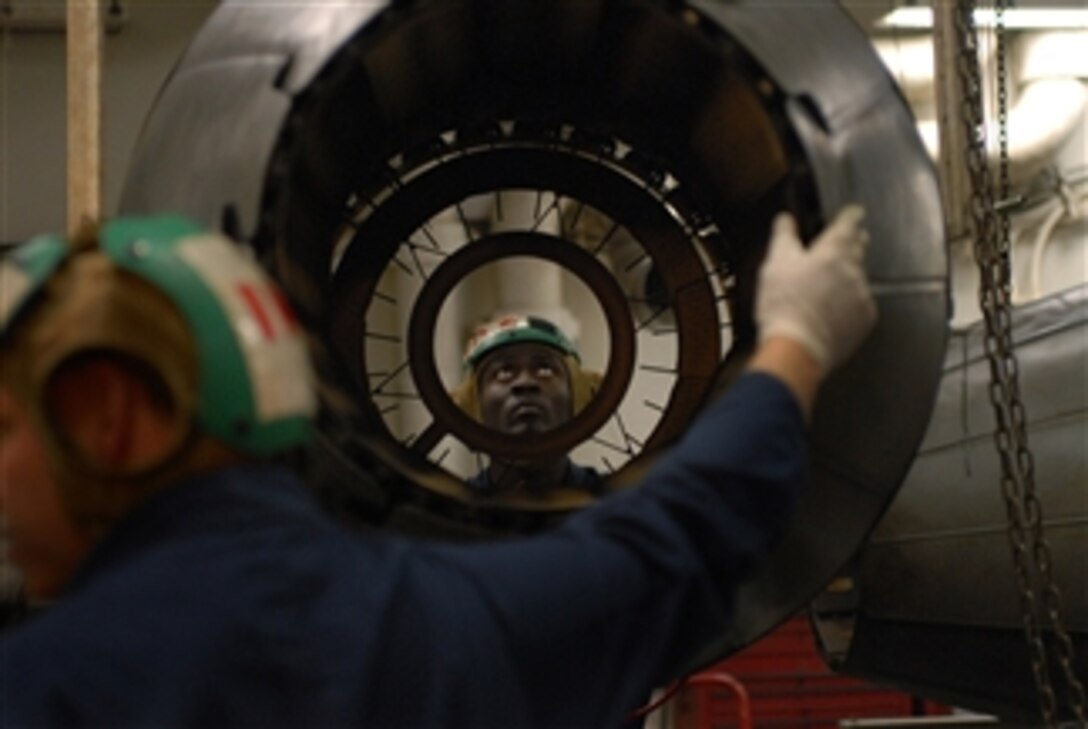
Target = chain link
(992,252)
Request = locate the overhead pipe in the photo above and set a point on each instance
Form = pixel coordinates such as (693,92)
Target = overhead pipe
(1049,91)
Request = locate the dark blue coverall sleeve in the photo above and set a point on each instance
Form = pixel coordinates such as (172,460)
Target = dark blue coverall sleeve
(573,630)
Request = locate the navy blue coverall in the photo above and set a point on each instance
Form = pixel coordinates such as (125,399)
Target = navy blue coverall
(232,600)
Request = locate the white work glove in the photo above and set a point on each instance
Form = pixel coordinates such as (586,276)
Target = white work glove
(819,296)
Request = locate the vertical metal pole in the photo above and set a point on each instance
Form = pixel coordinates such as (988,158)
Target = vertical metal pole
(84,75)
(955,186)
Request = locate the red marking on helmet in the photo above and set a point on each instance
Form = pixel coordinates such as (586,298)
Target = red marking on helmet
(256,308)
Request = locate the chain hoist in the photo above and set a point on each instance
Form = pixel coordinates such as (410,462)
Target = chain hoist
(1031,555)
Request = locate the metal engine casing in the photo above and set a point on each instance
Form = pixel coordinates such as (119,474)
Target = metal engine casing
(275,110)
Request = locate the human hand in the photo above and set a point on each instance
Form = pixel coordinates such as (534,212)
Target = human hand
(819,296)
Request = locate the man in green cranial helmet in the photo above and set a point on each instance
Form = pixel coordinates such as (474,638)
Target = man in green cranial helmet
(150,373)
(524,376)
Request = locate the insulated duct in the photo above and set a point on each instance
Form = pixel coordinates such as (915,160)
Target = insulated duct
(933,604)
(1048,93)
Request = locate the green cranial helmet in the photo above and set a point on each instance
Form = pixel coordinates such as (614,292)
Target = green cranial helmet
(252,387)
(511,329)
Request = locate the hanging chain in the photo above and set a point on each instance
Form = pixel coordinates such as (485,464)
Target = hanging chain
(992,253)
(1051,596)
